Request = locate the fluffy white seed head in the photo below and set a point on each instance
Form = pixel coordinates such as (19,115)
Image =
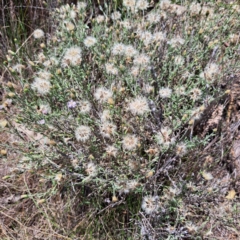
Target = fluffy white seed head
(100,18)
(163,137)
(91,169)
(150,204)
(153,17)
(81,6)
(130,51)
(90,41)
(130,4)
(41,57)
(111,69)
(211,71)
(111,150)
(102,94)
(142,5)
(165,92)
(118,49)
(134,71)
(106,116)
(82,133)
(126,24)
(181,149)
(45,108)
(130,142)
(195,94)
(132,184)
(72,14)
(69,26)
(178,10)
(176,41)
(195,8)
(108,129)
(165,5)
(116,15)
(42,86)
(139,106)
(85,106)
(72,56)
(180,90)
(179,60)
(38,33)
(44,75)
(147,88)
(159,36)
(146,37)
(141,60)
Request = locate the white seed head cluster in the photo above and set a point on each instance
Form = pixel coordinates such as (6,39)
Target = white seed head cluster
(130,51)
(159,36)
(180,90)
(111,69)
(102,94)
(197,112)
(146,37)
(72,56)
(69,26)
(130,142)
(142,5)
(125,186)
(126,24)
(195,94)
(181,149)
(164,138)
(90,41)
(116,15)
(165,5)
(195,8)
(106,116)
(41,57)
(150,204)
(100,19)
(111,151)
(38,33)
(45,108)
(91,169)
(72,14)
(118,49)
(136,5)
(134,71)
(81,6)
(179,60)
(138,106)
(126,50)
(141,60)
(211,71)
(147,88)
(82,133)
(85,106)
(108,129)
(165,92)
(44,75)
(178,10)
(131,4)
(176,41)
(153,17)
(42,86)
